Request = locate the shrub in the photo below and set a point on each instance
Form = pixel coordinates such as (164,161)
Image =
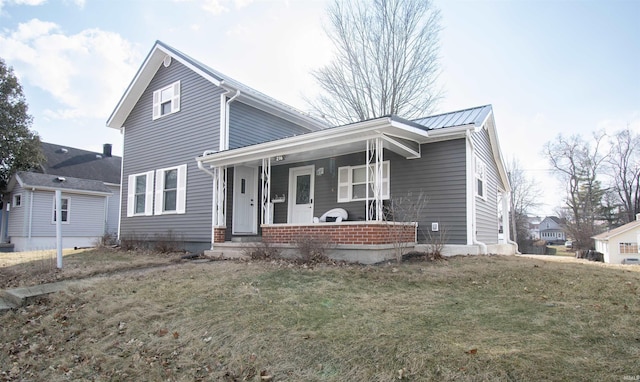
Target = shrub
(313,249)
(261,251)
(168,242)
(133,242)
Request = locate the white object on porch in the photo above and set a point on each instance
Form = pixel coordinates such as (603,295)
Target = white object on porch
(339,214)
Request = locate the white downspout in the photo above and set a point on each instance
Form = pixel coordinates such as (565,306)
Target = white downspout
(30,219)
(474,239)
(121,183)
(224,119)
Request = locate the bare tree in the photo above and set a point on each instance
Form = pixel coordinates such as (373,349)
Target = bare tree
(386,60)
(624,164)
(525,196)
(577,162)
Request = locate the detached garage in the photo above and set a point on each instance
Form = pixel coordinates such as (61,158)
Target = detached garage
(620,245)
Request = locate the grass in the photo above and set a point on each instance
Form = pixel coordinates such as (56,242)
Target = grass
(470,319)
(38,267)
(561,250)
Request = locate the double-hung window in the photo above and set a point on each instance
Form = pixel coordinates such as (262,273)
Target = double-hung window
(166,100)
(64,210)
(353,182)
(480,178)
(171,187)
(17,200)
(140,195)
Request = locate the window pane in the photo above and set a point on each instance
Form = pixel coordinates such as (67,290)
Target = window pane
(303,189)
(359,175)
(171,179)
(65,204)
(140,201)
(166,108)
(170,200)
(64,216)
(359,191)
(141,184)
(166,94)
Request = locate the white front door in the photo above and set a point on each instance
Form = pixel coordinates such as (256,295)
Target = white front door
(245,200)
(301,180)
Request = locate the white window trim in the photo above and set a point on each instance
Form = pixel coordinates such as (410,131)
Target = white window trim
(480,173)
(348,183)
(15,204)
(53,210)
(175,100)
(131,196)
(181,192)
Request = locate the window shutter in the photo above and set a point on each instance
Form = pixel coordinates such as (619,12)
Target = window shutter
(148,199)
(181,194)
(156,104)
(159,192)
(344,184)
(175,102)
(131,195)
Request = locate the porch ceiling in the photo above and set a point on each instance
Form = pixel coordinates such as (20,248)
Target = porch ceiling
(402,139)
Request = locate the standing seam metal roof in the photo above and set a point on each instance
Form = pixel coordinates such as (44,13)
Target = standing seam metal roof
(475,116)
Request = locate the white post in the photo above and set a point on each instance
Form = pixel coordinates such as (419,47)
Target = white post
(59,227)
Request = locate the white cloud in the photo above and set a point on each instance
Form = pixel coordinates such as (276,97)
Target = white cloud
(216,7)
(86,73)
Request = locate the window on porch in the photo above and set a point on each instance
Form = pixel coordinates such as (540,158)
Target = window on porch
(352,183)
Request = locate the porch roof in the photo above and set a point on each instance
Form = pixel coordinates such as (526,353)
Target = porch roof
(400,136)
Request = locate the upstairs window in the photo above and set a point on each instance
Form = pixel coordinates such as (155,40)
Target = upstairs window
(480,178)
(166,100)
(64,210)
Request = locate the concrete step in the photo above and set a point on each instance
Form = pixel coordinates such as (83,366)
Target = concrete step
(6,306)
(21,296)
(246,239)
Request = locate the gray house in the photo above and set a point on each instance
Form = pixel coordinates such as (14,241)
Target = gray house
(219,164)
(90,185)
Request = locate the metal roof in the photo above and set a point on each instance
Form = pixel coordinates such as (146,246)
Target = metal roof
(47,181)
(473,116)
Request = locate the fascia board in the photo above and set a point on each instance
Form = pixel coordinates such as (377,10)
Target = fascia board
(67,190)
(294,144)
(497,153)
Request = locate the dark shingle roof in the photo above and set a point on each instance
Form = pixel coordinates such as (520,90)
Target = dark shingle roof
(76,163)
(36,180)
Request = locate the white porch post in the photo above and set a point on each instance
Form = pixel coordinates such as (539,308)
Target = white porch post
(218,215)
(374,175)
(266,191)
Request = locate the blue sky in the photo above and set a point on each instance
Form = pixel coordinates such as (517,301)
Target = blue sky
(548,67)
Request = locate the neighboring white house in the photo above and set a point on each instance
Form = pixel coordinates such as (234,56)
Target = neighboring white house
(550,229)
(620,243)
(90,186)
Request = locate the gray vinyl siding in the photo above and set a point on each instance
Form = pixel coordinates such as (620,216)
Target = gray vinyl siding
(169,141)
(17,225)
(113,209)
(248,126)
(439,174)
(487,209)
(85,216)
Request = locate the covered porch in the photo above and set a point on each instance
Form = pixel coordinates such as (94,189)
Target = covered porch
(273,191)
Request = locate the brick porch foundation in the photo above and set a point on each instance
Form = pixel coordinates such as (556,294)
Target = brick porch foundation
(343,232)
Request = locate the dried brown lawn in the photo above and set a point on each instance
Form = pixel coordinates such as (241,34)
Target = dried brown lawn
(19,269)
(470,319)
